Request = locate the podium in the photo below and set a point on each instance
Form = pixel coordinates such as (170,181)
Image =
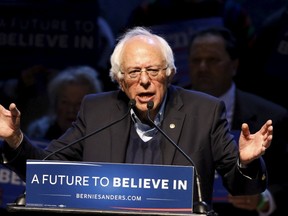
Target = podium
(85,188)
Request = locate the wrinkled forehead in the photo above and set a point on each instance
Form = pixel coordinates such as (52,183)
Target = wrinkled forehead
(142,51)
(141,41)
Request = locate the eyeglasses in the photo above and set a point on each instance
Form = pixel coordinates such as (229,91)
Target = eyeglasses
(152,72)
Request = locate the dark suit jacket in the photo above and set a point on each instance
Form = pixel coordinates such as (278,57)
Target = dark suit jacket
(255,111)
(201,131)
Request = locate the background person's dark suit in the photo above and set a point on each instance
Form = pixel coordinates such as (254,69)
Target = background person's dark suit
(199,120)
(254,110)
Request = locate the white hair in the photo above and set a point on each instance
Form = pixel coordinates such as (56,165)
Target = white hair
(116,57)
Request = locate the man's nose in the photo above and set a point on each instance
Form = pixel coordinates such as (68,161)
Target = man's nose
(144,77)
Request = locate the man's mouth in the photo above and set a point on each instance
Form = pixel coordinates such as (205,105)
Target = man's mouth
(145,97)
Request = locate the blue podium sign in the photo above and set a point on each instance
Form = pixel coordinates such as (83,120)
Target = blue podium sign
(109,186)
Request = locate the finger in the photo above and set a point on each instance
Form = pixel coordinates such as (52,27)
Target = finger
(245,129)
(14,111)
(268,134)
(267,127)
(266,144)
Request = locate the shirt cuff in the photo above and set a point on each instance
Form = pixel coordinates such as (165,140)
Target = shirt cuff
(240,165)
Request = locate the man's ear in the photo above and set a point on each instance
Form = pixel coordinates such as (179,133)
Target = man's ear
(121,84)
(171,76)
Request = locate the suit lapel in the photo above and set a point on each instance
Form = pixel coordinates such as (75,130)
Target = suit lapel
(120,133)
(172,125)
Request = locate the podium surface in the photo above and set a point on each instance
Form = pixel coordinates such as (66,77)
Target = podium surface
(22,210)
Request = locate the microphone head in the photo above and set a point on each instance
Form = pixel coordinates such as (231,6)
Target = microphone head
(132,103)
(150,105)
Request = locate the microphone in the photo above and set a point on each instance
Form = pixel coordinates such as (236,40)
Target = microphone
(21,200)
(131,105)
(200,207)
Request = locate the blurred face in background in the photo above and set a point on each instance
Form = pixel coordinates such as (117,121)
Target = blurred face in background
(68,104)
(210,66)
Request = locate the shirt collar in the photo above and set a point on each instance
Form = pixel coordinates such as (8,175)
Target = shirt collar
(159,117)
(146,132)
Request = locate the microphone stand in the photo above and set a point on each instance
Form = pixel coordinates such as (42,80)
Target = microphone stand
(201,206)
